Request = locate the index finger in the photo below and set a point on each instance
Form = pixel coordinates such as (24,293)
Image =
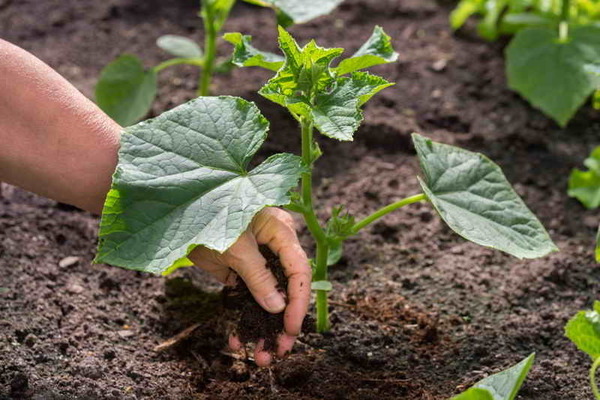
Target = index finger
(276,230)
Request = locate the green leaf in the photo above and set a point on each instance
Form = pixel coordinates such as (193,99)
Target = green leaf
(488,27)
(585,185)
(216,12)
(584,331)
(463,11)
(549,73)
(299,11)
(505,385)
(377,50)
(306,70)
(182,181)
(337,114)
(321,285)
(474,394)
(245,55)
(336,251)
(125,91)
(474,198)
(514,22)
(179,46)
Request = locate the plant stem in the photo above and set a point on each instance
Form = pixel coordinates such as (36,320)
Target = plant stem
(593,383)
(312,222)
(388,209)
(563,27)
(199,62)
(210,54)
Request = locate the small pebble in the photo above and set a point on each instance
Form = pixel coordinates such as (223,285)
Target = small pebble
(68,261)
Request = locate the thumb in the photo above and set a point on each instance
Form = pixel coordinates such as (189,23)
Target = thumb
(245,259)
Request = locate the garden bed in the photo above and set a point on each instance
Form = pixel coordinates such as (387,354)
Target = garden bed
(417,312)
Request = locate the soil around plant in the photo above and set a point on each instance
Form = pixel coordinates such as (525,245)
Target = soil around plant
(417,312)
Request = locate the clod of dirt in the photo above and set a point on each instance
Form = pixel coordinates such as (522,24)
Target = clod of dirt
(254,323)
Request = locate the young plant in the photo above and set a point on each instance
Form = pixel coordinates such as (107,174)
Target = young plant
(504,385)
(546,61)
(126,90)
(584,331)
(183,180)
(585,187)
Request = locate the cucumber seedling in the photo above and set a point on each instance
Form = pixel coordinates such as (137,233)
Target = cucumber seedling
(183,180)
(547,60)
(584,331)
(126,90)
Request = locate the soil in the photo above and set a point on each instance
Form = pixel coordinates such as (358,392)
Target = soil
(252,322)
(417,312)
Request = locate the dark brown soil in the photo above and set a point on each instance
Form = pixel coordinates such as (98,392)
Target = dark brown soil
(417,312)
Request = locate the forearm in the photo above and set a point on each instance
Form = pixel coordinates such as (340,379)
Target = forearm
(53,140)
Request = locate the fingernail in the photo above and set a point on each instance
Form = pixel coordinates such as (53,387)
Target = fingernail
(274,302)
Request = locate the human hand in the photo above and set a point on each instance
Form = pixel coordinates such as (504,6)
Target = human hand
(275,228)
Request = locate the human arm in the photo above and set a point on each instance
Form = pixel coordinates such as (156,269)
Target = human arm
(57,143)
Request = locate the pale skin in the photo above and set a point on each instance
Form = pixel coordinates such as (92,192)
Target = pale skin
(57,143)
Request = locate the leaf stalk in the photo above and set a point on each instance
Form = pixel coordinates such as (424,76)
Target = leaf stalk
(210,51)
(593,383)
(388,209)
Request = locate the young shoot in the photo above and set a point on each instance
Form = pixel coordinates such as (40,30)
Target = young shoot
(584,331)
(189,167)
(126,90)
(469,191)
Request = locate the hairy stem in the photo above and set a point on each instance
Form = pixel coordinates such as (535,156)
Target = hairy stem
(388,209)
(199,62)
(593,383)
(210,54)
(312,222)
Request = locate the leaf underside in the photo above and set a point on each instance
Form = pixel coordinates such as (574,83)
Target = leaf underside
(125,91)
(474,198)
(182,181)
(300,11)
(179,46)
(550,74)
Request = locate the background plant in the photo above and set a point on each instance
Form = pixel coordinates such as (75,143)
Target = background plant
(584,331)
(189,168)
(126,90)
(555,41)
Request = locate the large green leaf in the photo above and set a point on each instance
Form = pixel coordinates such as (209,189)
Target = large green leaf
(376,50)
(125,91)
(584,330)
(179,46)
(337,114)
(246,55)
(299,11)
(182,181)
(585,185)
(550,73)
(504,385)
(474,198)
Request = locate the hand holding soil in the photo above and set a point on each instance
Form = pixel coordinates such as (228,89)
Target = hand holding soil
(275,229)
